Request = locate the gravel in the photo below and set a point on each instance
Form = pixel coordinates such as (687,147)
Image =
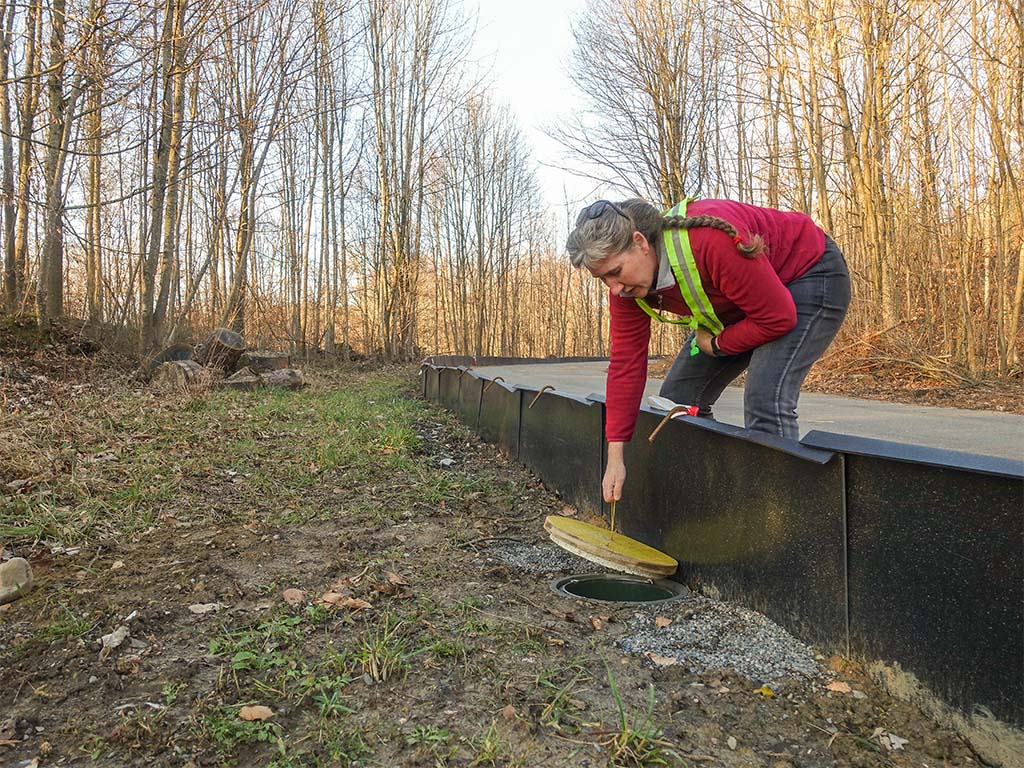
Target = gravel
(538,559)
(704,635)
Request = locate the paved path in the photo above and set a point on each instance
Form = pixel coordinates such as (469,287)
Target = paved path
(987,433)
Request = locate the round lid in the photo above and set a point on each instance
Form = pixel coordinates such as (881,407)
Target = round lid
(607,548)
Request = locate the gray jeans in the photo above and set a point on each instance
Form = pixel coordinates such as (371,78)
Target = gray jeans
(779,367)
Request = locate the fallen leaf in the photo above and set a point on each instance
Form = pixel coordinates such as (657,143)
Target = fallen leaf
(117,565)
(661,622)
(355,604)
(113,640)
(765,691)
(596,622)
(661,661)
(568,511)
(897,742)
(200,608)
(257,712)
(293,596)
(508,712)
(331,598)
(839,687)
(556,641)
(394,578)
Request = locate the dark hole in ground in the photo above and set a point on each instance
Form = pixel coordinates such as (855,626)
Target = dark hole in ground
(616,588)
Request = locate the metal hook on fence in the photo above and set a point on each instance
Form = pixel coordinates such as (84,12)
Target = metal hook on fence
(669,415)
(489,383)
(543,389)
(464,371)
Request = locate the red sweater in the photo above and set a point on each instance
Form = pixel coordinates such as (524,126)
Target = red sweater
(748,295)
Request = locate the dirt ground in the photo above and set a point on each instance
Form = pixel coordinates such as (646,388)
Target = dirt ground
(324,564)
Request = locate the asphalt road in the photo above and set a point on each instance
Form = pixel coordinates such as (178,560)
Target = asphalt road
(987,433)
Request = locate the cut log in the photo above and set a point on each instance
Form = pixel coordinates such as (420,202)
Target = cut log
(262,361)
(285,377)
(244,379)
(221,350)
(179,375)
(180,351)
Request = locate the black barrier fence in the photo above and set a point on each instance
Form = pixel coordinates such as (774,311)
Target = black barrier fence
(936,567)
(470,389)
(890,552)
(761,524)
(498,419)
(559,436)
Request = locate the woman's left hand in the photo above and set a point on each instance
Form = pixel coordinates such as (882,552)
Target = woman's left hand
(704,342)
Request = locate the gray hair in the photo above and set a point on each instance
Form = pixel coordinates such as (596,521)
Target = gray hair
(611,231)
(594,239)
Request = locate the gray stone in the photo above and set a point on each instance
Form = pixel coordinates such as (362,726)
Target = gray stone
(15,579)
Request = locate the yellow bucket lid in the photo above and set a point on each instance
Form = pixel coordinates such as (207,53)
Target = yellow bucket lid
(608,548)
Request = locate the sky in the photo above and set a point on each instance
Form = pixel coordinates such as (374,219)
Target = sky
(524,46)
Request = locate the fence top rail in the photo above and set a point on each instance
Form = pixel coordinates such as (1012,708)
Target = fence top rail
(915,454)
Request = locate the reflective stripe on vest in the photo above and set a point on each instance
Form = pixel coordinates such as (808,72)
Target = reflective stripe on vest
(702,313)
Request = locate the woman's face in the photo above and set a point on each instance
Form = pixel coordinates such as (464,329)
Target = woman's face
(631,273)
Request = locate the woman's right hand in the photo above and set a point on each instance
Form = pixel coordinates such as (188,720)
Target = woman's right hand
(614,473)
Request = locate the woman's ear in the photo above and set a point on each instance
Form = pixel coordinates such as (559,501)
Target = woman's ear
(640,240)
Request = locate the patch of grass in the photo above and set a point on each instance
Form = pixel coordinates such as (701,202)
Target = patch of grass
(560,702)
(438,743)
(382,654)
(639,743)
(110,465)
(262,648)
(488,746)
(171,691)
(68,624)
(221,726)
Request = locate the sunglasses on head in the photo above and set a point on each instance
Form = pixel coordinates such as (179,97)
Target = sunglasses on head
(596,209)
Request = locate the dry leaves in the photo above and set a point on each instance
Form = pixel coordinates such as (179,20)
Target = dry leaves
(839,687)
(661,661)
(339,600)
(256,712)
(765,691)
(293,596)
(661,622)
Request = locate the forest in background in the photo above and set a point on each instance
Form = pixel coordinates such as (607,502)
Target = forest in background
(333,176)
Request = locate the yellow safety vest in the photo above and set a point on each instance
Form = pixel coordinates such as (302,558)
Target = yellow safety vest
(702,313)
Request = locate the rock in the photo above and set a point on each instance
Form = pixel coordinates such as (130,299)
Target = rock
(15,579)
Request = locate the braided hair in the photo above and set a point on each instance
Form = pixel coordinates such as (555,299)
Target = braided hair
(596,237)
(651,223)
